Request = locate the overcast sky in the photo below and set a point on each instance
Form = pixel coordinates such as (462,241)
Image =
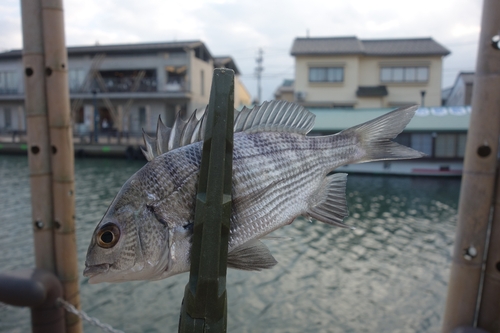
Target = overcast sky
(240,28)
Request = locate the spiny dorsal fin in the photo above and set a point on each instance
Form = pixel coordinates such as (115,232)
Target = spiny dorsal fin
(329,203)
(251,256)
(274,116)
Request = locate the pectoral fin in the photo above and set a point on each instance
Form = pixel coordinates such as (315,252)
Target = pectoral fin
(329,204)
(251,256)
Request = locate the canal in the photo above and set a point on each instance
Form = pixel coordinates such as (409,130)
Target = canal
(388,275)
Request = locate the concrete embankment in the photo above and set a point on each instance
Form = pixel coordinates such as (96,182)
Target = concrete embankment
(128,151)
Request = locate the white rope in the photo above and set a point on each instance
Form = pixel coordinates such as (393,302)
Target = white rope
(93,321)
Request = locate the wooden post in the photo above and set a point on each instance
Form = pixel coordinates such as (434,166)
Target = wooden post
(61,140)
(478,182)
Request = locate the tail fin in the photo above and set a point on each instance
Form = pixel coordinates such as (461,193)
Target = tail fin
(375,136)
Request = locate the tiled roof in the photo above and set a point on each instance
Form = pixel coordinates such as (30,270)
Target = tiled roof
(123,48)
(467,77)
(333,45)
(371,47)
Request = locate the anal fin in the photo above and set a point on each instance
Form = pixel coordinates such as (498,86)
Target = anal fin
(329,204)
(251,256)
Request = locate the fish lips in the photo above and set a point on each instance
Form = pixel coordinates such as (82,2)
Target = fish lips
(92,272)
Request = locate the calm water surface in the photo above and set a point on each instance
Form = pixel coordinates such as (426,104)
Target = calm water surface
(388,275)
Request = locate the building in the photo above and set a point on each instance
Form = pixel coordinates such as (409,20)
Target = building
(241,95)
(130,85)
(439,132)
(348,72)
(460,93)
(285,92)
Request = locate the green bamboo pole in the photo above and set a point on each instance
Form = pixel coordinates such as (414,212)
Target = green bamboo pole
(478,180)
(204,307)
(61,140)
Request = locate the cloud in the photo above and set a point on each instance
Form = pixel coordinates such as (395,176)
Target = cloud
(240,28)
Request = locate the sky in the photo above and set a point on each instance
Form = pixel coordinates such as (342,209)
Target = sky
(240,28)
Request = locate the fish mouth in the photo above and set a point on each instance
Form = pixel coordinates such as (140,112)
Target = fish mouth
(93,270)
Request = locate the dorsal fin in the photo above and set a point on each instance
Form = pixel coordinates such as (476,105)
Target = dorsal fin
(273,116)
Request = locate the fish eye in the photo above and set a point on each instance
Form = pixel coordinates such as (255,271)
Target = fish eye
(108,236)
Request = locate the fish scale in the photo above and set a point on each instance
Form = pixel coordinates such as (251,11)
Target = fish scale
(279,173)
(298,169)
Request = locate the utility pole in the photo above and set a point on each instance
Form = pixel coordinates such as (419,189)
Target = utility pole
(258,73)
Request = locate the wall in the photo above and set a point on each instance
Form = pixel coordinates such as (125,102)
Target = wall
(316,92)
(241,95)
(365,71)
(199,98)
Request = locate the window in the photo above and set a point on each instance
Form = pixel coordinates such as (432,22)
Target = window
(8,83)
(124,80)
(142,116)
(462,140)
(76,78)
(422,142)
(446,145)
(202,88)
(7,114)
(403,139)
(326,74)
(176,78)
(404,74)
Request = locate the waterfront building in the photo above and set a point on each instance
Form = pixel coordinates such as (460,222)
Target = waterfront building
(130,85)
(439,132)
(347,72)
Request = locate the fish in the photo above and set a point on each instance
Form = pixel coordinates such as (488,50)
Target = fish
(279,174)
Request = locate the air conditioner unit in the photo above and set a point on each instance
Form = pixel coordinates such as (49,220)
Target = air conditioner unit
(300,96)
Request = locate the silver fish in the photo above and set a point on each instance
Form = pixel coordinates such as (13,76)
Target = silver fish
(279,173)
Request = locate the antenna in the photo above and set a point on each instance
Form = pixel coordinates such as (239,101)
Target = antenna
(258,73)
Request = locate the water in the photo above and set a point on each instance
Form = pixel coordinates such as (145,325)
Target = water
(388,275)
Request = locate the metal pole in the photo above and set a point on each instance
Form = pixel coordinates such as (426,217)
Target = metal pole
(205,303)
(478,180)
(61,138)
(38,289)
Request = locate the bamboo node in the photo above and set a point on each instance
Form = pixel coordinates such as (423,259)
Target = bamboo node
(28,71)
(39,224)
